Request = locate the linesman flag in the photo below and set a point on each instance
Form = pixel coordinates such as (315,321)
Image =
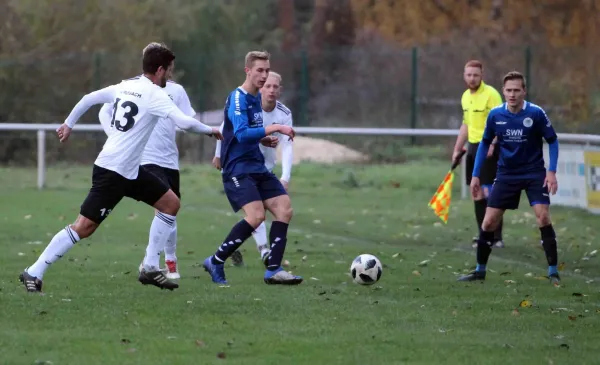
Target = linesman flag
(440,202)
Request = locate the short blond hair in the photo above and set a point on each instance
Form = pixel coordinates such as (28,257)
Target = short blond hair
(256,55)
(277,76)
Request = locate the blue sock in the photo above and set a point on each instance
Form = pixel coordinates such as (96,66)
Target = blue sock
(480,268)
(552,270)
(239,233)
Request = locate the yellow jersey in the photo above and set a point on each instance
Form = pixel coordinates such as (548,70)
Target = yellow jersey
(476,107)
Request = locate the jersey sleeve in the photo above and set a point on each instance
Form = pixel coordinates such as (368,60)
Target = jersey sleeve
(160,104)
(218,148)
(102,96)
(184,104)
(547,130)
(287,152)
(238,115)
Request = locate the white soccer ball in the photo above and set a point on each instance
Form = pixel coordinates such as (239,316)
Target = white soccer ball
(366,269)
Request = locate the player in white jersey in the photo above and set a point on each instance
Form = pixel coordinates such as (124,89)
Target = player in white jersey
(138,104)
(161,157)
(274,112)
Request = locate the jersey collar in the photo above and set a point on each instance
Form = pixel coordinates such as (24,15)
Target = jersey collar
(525,104)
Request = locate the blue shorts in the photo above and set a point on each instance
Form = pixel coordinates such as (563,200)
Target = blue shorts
(506,194)
(244,189)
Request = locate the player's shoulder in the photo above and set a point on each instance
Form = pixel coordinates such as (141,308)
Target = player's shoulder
(490,89)
(281,107)
(173,86)
(534,108)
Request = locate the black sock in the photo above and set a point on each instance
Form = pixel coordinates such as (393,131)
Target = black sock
(480,207)
(278,239)
(484,248)
(549,244)
(239,233)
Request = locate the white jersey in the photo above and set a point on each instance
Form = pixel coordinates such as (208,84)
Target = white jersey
(161,148)
(279,115)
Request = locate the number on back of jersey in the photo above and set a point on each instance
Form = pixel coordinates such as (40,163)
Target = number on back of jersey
(124,112)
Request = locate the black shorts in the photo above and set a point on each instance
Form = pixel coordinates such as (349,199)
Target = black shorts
(168,176)
(244,189)
(506,193)
(489,168)
(108,188)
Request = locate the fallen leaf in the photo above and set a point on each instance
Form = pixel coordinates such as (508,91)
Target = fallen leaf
(593,253)
(505,273)
(509,282)
(28,216)
(131,350)
(579,295)
(529,275)
(43,313)
(508,346)
(424,263)
(515,312)
(559,337)
(317,221)
(313,278)
(305,257)
(200,343)
(416,273)
(132,216)
(564,346)
(124,340)
(525,303)
(221,355)
(171,337)
(561,266)
(572,318)
(286,263)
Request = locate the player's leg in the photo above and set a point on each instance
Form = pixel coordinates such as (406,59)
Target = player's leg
(279,204)
(152,191)
(262,242)
(242,193)
(488,175)
(504,195)
(104,195)
(539,199)
(479,207)
(171,178)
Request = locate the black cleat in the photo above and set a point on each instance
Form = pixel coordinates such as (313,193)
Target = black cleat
(158,279)
(237,259)
(555,279)
(32,284)
(473,276)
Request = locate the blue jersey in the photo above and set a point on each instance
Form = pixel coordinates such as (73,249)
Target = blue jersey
(520,139)
(242,131)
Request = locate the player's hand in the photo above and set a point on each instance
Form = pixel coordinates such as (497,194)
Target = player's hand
(217,134)
(476,191)
(288,131)
(64,131)
(216,162)
(551,182)
(270,141)
(491,150)
(285,184)
(455,155)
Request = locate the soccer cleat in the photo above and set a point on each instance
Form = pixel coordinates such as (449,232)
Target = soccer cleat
(32,284)
(555,279)
(237,259)
(282,277)
(498,244)
(265,258)
(217,272)
(172,272)
(156,278)
(473,276)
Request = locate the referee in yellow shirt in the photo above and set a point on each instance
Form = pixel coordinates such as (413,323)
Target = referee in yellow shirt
(477,101)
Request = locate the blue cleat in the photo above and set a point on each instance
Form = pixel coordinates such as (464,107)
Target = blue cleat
(217,272)
(282,277)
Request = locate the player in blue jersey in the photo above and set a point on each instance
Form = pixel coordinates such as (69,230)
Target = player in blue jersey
(520,127)
(248,184)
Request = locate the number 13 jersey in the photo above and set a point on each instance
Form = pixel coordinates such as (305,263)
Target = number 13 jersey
(137,106)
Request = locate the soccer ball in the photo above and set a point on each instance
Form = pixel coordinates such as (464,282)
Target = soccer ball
(366,269)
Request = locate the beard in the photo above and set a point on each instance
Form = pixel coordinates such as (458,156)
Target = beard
(163,81)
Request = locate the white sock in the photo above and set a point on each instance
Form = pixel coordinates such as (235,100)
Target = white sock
(171,245)
(260,236)
(60,244)
(160,230)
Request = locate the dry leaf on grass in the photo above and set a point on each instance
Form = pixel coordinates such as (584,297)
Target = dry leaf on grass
(221,355)
(526,303)
(509,282)
(579,295)
(416,273)
(515,312)
(572,318)
(200,343)
(561,266)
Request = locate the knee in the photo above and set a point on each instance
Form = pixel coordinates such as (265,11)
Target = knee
(490,223)
(84,228)
(256,217)
(543,219)
(169,203)
(286,214)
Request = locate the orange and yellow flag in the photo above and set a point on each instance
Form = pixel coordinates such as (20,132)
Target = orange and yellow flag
(440,202)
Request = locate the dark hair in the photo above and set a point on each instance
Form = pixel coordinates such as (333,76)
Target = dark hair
(514,75)
(156,55)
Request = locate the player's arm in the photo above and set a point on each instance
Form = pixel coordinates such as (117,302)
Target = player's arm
(493,101)
(238,115)
(105,117)
(184,104)
(217,159)
(102,96)
(287,154)
(488,137)
(551,138)
(163,107)
(463,135)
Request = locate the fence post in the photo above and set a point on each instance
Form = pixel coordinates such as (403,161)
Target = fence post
(528,72)
(413,92)
(41,158)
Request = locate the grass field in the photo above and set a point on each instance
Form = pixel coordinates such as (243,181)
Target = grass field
(95,312)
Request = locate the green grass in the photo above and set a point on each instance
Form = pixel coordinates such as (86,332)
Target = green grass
(95,312)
